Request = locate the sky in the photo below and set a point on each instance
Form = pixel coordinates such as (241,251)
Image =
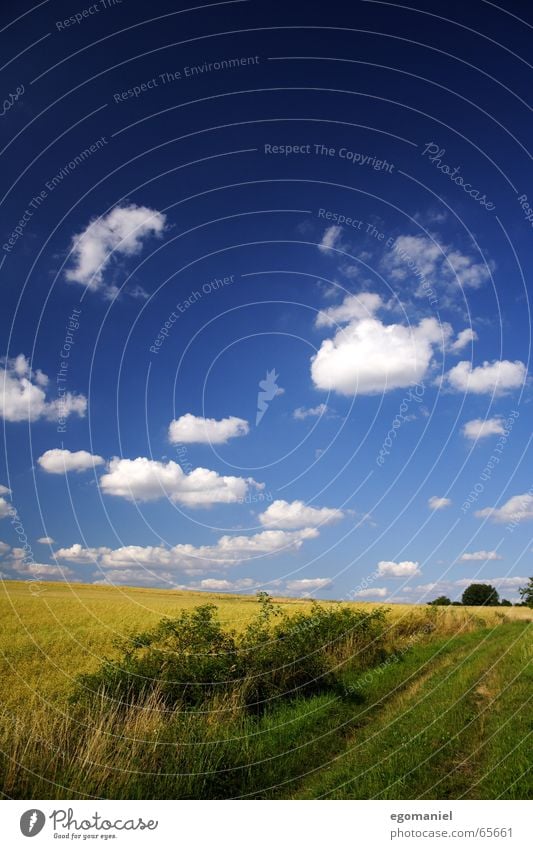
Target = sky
(265,315)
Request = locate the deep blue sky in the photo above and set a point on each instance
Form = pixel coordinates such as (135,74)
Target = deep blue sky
(380,81)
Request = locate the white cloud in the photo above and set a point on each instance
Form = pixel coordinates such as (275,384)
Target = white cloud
(4,548)
(479,555)
(296,514)
(307,585)
(503,583)
(217,584)
(226,552)
(23,394)
(438,503)
(302,413)
(353,308)
(519,508)
(121,233)
(41,570)
(331,238)
(481,428)
(189,429)
(368,356)
(57,461)
(4,490)
(46,540)
(5,508)
(372,592)
(464,338)
(497,377)
(404,569)
(148,480)
(422,258)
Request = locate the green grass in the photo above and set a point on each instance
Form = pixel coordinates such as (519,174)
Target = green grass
(444,716)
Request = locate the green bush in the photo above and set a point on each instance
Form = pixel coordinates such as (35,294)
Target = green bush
(191,660)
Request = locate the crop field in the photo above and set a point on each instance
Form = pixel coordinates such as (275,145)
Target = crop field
(280,698)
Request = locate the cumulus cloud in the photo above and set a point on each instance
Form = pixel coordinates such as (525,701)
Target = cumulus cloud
(46,540)
(23,394)
(438,503)
(148,480)
(57,461)
(479,555)
(481,428)
(372,592)
(42,570)
(302,413)
(307,585)
(519,508)
(420,257)
(189,429)
(121,232)
(353,308)
(464,338)
(296,514)
(404,569)
(226,552)
(4,548)
(368,356)
(497,377)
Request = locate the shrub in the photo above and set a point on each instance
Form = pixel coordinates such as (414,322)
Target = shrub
(191,660)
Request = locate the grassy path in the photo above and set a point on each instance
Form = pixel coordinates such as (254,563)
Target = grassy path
(459,729)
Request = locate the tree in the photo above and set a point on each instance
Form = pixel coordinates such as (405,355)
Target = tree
(527,593)
(505,603)
(477,595)
(441,601)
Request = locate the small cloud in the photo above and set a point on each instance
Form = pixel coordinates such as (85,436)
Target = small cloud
(302,413)
(464,338)
(119,233)
(372,592)
(46,540)
(197,429)
(519,508)
(331,238)
(482,428)
(307,585)
(59,461)
(438,503)
(479,555)
(497,377)
(404,569)
(296,514)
